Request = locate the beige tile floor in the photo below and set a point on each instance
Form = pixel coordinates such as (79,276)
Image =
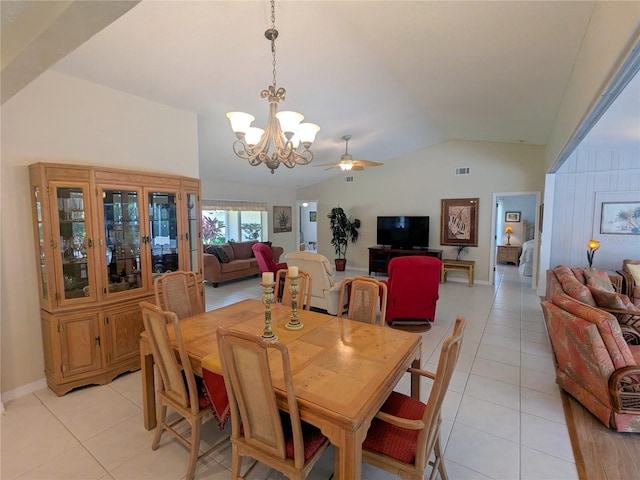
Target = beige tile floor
(502,417)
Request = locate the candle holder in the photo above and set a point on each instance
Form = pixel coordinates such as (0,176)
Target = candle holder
(267,299)
(294,323)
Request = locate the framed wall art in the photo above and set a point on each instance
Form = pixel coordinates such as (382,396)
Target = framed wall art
(511,216)
(313,216)
(459,221)
(620,218)
(281,219)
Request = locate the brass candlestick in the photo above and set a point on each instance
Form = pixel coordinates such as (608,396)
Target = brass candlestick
(294,323)
(267,299)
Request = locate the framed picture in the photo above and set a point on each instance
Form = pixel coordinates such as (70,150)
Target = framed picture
(620,218)
(511,216)
(313,216)
(459,221)
(281,219)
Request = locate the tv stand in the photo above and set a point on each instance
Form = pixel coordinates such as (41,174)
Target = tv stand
(379,256)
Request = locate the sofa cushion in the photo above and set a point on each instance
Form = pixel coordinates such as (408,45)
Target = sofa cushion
(572,287)
(225,253)
(235,266)
(607,325)
(243,249)
(634,270)
(598,279)
(211,250)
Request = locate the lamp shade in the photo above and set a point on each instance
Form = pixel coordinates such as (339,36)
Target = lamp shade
(509,229)
(593,244)
(289,122)
(240,121)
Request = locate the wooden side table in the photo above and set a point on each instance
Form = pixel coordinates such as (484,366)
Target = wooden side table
(509,254)
(462,265)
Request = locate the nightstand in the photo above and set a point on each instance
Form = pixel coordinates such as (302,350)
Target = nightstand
(509,254)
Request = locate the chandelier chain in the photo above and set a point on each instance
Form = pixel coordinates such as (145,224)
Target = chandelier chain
(273,40)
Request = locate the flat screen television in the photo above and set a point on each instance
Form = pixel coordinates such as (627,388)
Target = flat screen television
(404,232)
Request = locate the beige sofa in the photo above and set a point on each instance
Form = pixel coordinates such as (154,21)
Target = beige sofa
(231,261)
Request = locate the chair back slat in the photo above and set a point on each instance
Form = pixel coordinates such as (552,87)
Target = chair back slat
(178,292)
(363,295)
(283,292)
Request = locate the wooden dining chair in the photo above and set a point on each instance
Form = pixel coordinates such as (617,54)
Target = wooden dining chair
(405,432)
(258,428)
(178,292)
(304,288)
(178,387)
(362,296)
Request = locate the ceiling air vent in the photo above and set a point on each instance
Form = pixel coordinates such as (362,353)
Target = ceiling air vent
(349,179)
(463,170)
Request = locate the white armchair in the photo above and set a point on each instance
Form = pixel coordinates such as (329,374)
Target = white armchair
(325,292)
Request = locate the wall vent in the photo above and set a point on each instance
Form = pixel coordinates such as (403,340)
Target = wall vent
(349,179)
(463,170)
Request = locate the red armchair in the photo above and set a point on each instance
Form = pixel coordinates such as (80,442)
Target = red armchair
(264,256)
(413,289)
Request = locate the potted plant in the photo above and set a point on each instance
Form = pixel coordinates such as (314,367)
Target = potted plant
(461,250)
(343,229)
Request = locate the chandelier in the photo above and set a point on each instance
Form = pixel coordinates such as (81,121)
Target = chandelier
(283,132)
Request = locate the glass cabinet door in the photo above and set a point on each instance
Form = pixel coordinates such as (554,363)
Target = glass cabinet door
(163,232)
(75,240)
(194,240)
(42,265)
(121,210)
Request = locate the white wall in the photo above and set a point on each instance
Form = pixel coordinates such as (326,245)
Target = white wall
(414,184)
(587,171)
(58,118)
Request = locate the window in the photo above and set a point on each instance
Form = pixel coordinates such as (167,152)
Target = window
(224,221)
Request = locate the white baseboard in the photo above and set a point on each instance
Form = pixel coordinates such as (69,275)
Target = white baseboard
(23,390)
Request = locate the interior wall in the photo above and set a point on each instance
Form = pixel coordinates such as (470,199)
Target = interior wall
(590,171)
(58,118)
(414,184)
(613,31)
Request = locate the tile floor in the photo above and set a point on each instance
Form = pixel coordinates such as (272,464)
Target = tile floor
(502,417)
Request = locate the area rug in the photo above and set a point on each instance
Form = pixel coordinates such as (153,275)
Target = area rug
(412,328)
(600,453)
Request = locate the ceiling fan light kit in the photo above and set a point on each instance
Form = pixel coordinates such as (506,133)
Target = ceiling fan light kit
(347,163)
(284,130)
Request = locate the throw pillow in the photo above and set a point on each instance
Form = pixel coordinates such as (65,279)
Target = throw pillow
(612,300)
(210,249)
(599,280)
(225,253)
(634,270)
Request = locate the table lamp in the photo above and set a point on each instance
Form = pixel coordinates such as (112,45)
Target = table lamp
(508,231)
(593,245)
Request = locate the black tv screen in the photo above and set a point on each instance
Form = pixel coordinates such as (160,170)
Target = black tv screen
(403,232)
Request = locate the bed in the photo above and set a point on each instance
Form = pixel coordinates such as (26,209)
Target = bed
(526,258)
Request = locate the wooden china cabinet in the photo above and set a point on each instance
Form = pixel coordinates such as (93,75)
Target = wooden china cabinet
(102,235)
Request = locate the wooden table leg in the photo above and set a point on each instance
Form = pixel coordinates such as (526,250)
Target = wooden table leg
(148,388)
(415,379)
(347,457)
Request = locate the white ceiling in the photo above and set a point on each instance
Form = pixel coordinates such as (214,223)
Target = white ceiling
(398,76)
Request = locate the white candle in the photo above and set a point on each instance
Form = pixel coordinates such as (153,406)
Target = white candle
(293,271)
(267,277)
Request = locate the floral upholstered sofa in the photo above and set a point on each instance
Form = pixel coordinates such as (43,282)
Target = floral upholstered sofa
(593,287)
(232,261)
(593,362)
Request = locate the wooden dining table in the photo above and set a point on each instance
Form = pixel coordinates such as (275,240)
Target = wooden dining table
(343,370)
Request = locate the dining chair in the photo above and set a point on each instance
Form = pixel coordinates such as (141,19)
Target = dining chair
(178,387)
(405,432)
(258,428)
(283,292)
(361,297)
(178,292)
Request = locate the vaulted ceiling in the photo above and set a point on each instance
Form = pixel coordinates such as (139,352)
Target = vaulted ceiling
(398,76)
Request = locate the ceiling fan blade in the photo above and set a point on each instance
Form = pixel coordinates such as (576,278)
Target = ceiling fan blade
(367,163)
(357,167)
(332,165)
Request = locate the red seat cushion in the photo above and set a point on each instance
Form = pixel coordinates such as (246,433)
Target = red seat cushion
(312,437)
(392,441)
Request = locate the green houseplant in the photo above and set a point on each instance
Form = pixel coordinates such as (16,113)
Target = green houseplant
(343,229)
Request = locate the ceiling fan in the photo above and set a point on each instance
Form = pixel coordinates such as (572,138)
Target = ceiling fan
(347,162)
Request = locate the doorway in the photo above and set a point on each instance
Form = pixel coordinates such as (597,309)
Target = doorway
(515,220)
(308,225)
